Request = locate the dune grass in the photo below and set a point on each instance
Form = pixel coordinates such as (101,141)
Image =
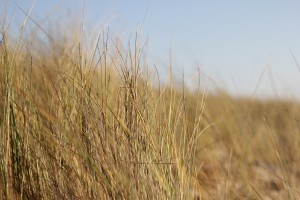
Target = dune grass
(91,120)
(84,122)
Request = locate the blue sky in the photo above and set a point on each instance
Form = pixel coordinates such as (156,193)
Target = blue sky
(231,41)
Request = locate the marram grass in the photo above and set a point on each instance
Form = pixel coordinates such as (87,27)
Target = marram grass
(91,120)
(82,122)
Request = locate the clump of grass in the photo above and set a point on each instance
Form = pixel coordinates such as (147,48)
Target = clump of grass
(83,121)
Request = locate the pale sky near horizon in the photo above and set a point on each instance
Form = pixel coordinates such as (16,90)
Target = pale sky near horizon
(231,41)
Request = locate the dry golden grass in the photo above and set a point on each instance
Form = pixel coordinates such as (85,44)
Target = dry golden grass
(86,122)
